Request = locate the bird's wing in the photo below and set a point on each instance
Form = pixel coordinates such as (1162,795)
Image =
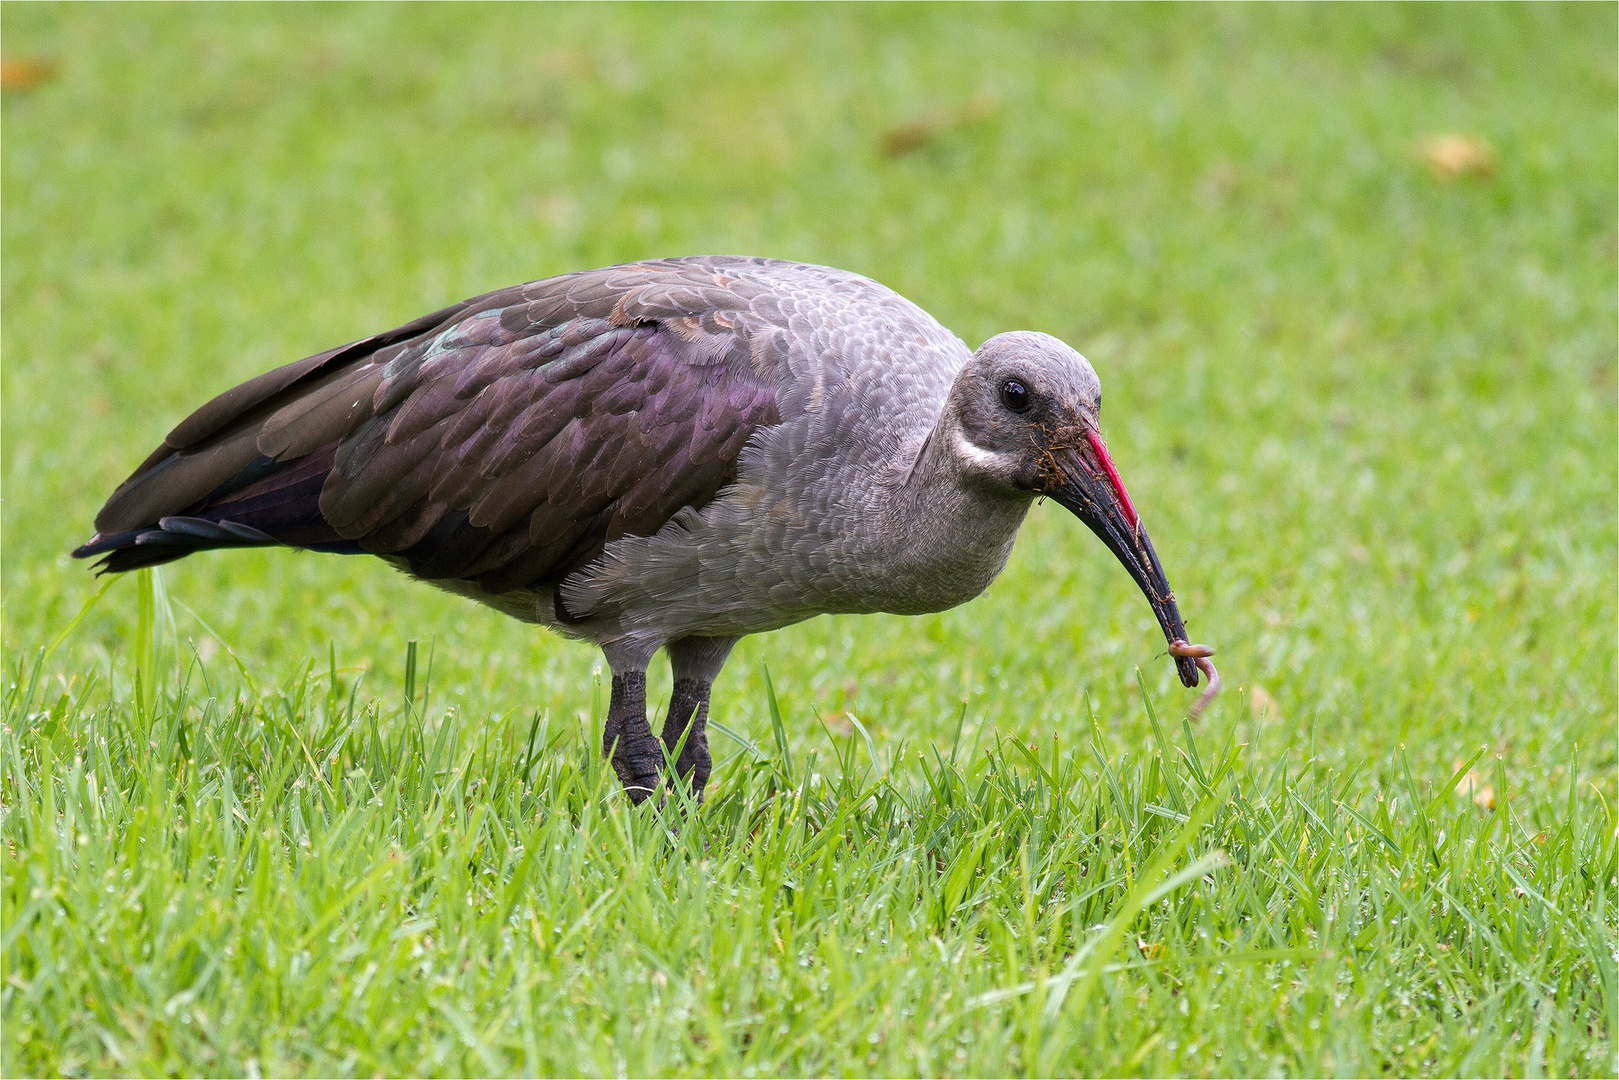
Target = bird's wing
(505,440)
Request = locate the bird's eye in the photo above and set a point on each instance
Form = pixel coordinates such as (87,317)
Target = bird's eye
(1015,396)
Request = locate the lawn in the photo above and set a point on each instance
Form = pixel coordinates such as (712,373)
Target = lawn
(1348,275)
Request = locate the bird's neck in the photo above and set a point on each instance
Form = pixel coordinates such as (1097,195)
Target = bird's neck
(954,533)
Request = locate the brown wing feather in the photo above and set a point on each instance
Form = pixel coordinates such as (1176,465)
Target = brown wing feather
(507,438)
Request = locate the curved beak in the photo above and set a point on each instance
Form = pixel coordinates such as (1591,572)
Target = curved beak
(1089,486)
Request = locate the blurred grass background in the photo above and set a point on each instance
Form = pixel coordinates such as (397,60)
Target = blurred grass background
(1361,379)
(1368,408)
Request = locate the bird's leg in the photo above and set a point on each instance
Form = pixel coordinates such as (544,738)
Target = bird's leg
(685,733)
(636,755)
(694,662)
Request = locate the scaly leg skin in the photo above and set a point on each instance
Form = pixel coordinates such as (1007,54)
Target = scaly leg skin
(694,662)
(688,718)
(636,755)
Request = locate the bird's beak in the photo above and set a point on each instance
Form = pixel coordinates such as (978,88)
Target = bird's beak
(1083,478)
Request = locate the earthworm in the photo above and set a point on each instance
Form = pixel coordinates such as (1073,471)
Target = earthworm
(1199,655)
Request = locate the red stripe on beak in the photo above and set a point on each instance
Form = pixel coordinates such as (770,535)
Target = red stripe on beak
(1113,478)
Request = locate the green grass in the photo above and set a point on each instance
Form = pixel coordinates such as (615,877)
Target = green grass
(1368,413)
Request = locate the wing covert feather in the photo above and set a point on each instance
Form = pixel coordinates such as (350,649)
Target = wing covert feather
(516,449)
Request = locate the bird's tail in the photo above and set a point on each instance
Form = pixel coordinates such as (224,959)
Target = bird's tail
(267,504)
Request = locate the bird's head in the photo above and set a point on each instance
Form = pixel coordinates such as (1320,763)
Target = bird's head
(1024,418)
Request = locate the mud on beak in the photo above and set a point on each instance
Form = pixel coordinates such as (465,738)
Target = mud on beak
(1089,486)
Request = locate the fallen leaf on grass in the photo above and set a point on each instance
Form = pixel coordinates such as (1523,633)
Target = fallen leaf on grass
(1454,156)
(557,210)
(24,72)
(840,724)
(1262,704)
(1152,950)
(915,134)
(1218,184)
(1473,786)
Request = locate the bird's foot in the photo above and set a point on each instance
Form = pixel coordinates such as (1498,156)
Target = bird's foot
(627,740)
(682,789)
(636,772)
(685,738)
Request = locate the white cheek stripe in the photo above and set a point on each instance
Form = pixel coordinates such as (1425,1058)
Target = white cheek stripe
(971,451)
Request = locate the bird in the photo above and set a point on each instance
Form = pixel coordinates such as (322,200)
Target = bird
(661,455)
